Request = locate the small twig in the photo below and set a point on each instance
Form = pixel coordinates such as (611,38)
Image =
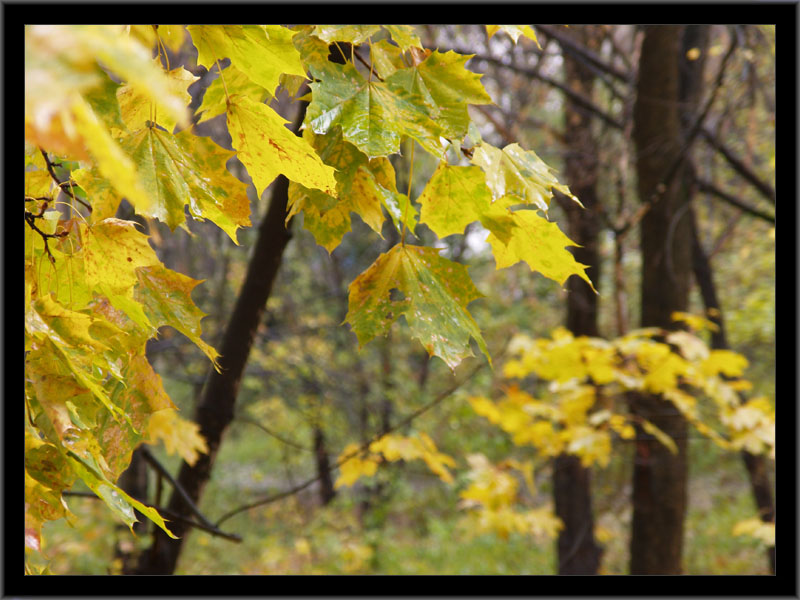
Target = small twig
(709,187)
(148,456)
(273,434)
(64,186)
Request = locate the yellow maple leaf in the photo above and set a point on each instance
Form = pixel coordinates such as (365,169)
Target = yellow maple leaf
(177,434)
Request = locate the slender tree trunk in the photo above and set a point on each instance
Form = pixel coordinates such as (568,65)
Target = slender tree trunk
(660,477)
(578,552)
(326,490)
(216,408)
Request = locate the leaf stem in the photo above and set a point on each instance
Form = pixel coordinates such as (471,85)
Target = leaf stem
(224,87)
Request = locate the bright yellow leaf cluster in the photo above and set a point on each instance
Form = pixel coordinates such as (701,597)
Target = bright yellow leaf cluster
(587,374)
(492,496)
(391,448)
(178,435)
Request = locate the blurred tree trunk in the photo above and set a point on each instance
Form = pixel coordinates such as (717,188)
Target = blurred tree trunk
(133,481)
(660,477)
(326,489)
(697,36)
(216,408)
(578,553)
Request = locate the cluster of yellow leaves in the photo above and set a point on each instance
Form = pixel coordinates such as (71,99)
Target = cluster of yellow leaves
(587,374)
(756,528)
(356,464)
(177,434)
(491,500)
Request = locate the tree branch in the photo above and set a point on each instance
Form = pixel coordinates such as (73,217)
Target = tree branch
(763,187)
(571,46)
(64,186)
(706,186)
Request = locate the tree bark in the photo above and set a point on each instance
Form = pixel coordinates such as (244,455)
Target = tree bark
(216,408)
(659,477)
(578,552)
(326,490)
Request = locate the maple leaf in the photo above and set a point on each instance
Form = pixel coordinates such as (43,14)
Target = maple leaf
(362,186)
(456,196)
(187,169)
(514,31)
(541,244)
(171,36)
(262,52)
(404,36)
(352,34)
(513,170)
(446,87)
(355,466)
(267,148)
(373,115)
(435,293)
(136,109)
(235,83)
(177,434)
(166,297)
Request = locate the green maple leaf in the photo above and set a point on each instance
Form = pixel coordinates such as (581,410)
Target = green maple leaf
(404,36)
(513,170)
(362,187)
(267,148)
(435,293)
(262,52)
(373,115)
(446,87)
(541,244)
(167,299)
(187,169)
(456,196)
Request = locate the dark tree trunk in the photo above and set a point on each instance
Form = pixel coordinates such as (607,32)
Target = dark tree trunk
(326,490)
(578,553)
(216,408)
(660,477)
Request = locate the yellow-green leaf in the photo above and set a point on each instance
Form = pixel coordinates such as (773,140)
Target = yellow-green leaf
(454,197)
(446,87)
(167,300)
(262,52)
(513,170)
(373,115)
(186,169)
(353,34)
(267,148)
(541,244)
(429,290)
(137,109)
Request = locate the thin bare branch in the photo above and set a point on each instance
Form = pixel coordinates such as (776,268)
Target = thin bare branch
(707,186)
